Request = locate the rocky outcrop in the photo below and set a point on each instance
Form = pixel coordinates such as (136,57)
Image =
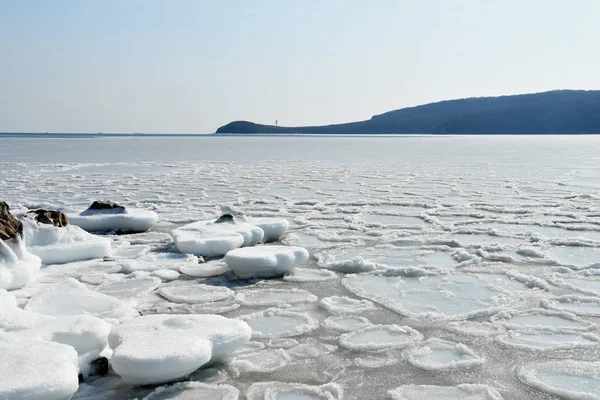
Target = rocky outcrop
(106,205)
(49,217)
(225,218)
(10,226)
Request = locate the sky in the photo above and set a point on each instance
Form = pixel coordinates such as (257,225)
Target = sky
(178,66)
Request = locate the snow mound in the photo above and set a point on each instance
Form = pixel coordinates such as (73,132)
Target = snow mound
(160,348)
(265,261)
(215,238)
(281,390)
(463,391)
(568,379)
(71,297)
(440,355)
(310,275)
(35,369)
(274,228)
(195,294)
(56,245)
(274,297)
(346,323)
(379,337)
(346,305)
(194,391)
(115,220)
(278,323)
(17,265)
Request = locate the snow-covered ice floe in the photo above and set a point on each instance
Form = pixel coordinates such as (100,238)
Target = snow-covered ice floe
(35,369)
(199,293)
(281,390)
(346,305)
(160,348)
(346,323)
(59,245)
(274,297)
(568,379)
(310,275)
(541,341)
(120,219)
(440,355)
(273,228)
(464,391)
(265,261)
(17,265)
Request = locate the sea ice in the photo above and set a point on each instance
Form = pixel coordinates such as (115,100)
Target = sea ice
(540,318)
(36,369)
(379,337)
(274,297)
(346,305)
(197,293)
(279,323)
(160,348)
(59,245)
(194,391)
(578,305)
(17,265)
(273,228)
(203,270)
(114,220)
(440,355)
(568,379)
(294,391)
(310,275)
(346,323)
(265,261)
(464,391)
(267,360)
(71,297)
(539,341)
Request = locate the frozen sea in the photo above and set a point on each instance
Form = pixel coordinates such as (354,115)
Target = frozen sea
(438,261)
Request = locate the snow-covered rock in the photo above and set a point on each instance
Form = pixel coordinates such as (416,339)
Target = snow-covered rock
(160,348)
(36,369)
(265,261)
(114,219)
(17,265)
(216,237)
(59,245)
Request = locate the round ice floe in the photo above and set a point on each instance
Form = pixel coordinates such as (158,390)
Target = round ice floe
(274,297)
(440,355)
(346,305)
(311,349)
(194,391)
(456,296)
(36,369)
(17,265)
(273,228)
(155,261)
(283,343)
(310,275)
(568,379)
(542,319)
(281,390)
(70,297)
(129,287)
(476,328)
(203,270)
(346,323)
(578,305)
(464,391)
(268,360)
(539,341)
(66,244)
(166,275)
(197,293)
(114,220)
(279,323)
(211,238)
(160,348)
(264,261)
(378,337)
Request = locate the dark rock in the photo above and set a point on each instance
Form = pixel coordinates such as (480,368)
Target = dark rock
(225,218)
(100,366)
(10,226)
(201,260)
(106,259)
(50,217)
(106,205)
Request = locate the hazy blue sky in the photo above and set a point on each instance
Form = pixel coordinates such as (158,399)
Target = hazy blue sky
(191,66)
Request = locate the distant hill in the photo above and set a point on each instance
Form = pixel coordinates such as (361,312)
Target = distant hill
(555,112)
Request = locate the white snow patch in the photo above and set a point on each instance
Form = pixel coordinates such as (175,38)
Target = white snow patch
(17,265)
